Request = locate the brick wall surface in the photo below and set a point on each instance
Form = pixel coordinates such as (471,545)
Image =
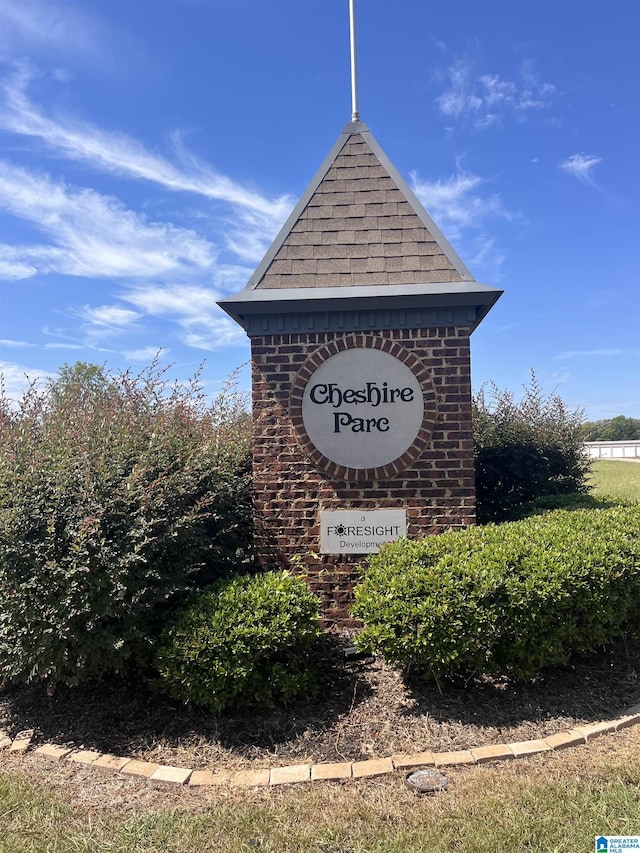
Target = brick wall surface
(437,489)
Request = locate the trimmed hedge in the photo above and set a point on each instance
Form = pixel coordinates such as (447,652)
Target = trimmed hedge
(508,599)
(242,642)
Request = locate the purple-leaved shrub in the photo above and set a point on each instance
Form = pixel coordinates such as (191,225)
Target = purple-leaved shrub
(524,449)
(118,495)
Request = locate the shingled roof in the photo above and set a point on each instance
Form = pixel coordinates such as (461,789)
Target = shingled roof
(358,224)
(358,231)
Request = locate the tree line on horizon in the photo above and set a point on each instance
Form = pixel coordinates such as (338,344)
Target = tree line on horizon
(620,428)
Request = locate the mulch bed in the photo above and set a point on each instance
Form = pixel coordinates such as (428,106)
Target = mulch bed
(362,709)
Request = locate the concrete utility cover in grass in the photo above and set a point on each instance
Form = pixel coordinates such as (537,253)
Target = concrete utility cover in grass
(426,782)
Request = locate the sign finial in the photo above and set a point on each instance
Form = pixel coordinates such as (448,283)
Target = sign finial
(355,115)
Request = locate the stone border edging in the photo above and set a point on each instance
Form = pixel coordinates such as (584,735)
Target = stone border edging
(334,772)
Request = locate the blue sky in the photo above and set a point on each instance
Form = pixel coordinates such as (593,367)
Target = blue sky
(151,149)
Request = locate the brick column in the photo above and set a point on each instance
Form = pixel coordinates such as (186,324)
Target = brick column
(436,489)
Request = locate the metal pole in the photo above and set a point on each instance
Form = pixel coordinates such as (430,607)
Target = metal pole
(355,115)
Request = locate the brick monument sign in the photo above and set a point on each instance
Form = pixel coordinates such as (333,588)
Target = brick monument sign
(360,316)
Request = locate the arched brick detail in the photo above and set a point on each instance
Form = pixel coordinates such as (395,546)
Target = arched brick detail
(360,341)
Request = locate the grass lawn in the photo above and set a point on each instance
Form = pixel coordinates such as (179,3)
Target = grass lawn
(615,478)
(557,802)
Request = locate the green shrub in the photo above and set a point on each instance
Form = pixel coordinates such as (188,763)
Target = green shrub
(573,500)
(506,599)
(241,642)
(524,450)
(118,495)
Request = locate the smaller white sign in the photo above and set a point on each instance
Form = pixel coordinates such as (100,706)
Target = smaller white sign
(354,531)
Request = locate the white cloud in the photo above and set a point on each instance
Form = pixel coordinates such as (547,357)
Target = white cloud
(108,316)
(4,342)
(15,379)
(555,377)
(22,261)
(93,235)
(246,220)
(146,354)
(486,121)
(456,202)
(117,153)
(48,26)
(189,303)
(486,99)
(64,346)
(202,323)
(101,325)
(581,166)
(534,94)
(488,257)
(86,234)
(460,96)
(229,278)
(15,270)
(251,237)
(459,207)
(495,90)
(614,352)
(220,334)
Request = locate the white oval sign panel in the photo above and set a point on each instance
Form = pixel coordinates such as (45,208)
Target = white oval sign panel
(362,408)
